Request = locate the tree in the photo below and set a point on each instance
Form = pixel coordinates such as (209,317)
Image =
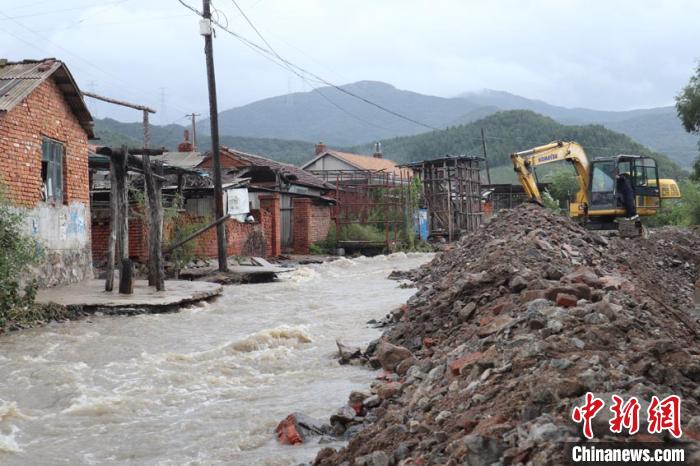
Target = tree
(688,108)
(563,185)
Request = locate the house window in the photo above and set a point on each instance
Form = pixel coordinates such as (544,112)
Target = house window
(52,170)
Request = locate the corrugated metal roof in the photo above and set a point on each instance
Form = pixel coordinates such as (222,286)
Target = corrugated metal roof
(294,175)
(19,79)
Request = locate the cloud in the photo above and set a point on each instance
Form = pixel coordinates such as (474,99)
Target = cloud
(596,54)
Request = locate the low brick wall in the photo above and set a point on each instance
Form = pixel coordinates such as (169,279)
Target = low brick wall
(311,223)
(243,239)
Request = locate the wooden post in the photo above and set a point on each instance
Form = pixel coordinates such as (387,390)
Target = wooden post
(126,277)
(214,125)
(154,213)
(119,162)
(113,222)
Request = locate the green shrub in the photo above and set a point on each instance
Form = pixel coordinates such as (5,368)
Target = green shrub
(550,202)
(182,227)
(680,212)
(17,253)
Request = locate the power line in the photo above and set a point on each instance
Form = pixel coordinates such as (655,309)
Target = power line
(309,73)
(130,89)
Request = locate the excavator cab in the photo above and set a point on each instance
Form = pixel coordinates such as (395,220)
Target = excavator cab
(605,203)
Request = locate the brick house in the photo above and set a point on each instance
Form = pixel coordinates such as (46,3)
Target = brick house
(297,198)
(44,131)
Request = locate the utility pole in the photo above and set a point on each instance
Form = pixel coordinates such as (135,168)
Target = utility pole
(207,31)
(486,159)
(194,129)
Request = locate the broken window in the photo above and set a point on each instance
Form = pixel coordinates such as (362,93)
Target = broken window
(52,170)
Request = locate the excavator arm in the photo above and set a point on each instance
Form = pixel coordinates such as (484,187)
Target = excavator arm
(525,162)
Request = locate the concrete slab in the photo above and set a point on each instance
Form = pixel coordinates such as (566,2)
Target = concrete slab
(237,274)
(90,295)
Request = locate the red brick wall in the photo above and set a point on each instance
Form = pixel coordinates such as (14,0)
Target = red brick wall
(301,219)
(237,234)
(320,222)
(138,239)
(271,203)
(43,113)
(311,223)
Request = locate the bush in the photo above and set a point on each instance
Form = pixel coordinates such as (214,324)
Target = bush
(550,203)
(680,212)
(182,228)
(563,185)
(17,253)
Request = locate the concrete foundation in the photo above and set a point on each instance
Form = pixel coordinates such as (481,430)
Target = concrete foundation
(62,234)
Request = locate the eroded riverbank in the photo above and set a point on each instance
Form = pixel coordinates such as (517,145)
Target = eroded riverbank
(205,385)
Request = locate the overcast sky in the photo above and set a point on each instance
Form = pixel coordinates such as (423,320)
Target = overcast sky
(611,55)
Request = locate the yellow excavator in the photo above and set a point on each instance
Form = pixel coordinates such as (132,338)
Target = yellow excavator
(597,203)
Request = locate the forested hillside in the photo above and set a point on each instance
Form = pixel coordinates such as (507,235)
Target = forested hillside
(112,132)
(511,131)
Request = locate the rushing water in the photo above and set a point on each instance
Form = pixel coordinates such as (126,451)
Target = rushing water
(206,385)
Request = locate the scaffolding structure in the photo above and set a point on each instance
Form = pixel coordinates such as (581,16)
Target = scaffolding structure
(380,199)
(451,192)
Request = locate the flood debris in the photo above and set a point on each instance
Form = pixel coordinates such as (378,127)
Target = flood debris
(510,328)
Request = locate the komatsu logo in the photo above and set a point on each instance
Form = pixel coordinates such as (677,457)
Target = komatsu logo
(547,158)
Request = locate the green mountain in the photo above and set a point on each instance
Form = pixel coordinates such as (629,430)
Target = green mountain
(115,133)
(336,118)
(511,131)
(329,115)
(658,128)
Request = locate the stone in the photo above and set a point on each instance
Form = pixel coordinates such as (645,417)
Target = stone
(390,356)
(578,343)
(517,284)
(347,352)
(483,451)
(372,402)
(566,300)
(376,458)
(443,416)
(467,311)
(548,432)
(560,364)
(596,318)
(403,451)
(435,373)
(579,290)
(461,365)
(343,416)
(538,305)
(568,388)
(389,390)
(494,326)
(405,365)
(527,296)
(583,275)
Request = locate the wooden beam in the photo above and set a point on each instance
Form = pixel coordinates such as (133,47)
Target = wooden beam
(118,102)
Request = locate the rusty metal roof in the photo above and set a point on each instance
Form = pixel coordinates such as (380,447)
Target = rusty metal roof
(19,79)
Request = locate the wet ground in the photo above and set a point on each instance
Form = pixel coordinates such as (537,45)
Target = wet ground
(206,385)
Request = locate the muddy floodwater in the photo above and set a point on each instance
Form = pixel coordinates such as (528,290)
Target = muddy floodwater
(206,385)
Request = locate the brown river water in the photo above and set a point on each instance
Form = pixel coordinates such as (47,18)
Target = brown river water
(206,385)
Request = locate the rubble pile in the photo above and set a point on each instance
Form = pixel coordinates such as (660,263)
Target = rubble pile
(511,327)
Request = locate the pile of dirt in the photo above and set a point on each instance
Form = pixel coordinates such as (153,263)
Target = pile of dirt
(514,324)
